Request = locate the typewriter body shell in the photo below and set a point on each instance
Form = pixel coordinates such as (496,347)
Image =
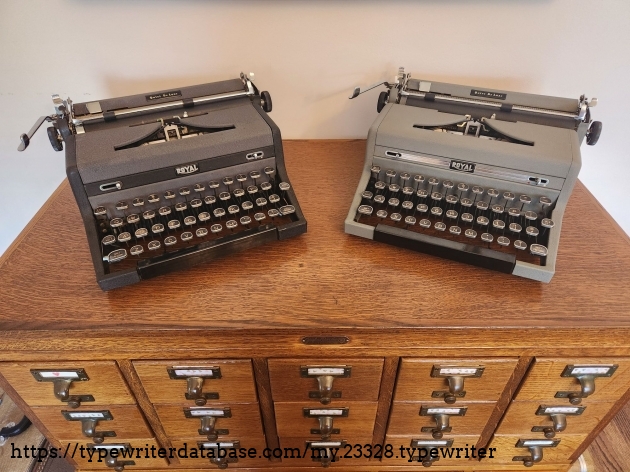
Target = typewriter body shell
(540,155)
(108,161)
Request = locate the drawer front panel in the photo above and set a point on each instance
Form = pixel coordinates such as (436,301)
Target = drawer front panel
(443,452)
(103,381)
(243,420)
(248,454)
(352,451)
(521,417)
(299,379)
(291,422)
(415,382)
(405,418)
(127,422)
(236,382)
(544,380)
(140,446)
(506,449)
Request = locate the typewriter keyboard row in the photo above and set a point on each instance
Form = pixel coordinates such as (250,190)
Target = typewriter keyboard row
(495,219)
(187,216)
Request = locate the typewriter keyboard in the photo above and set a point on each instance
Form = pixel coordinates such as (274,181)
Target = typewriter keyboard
(492,218)
(151,225)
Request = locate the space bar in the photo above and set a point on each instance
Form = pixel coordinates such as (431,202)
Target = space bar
(456,251)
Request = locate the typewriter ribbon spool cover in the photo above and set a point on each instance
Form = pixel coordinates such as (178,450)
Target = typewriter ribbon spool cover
(167,180)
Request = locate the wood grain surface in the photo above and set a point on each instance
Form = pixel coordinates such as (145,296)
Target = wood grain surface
(184,447)
(506,448)
(385,395)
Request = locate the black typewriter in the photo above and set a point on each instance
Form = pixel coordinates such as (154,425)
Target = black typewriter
(167,180)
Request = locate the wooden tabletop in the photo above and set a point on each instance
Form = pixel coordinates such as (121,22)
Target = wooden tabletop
(323,279)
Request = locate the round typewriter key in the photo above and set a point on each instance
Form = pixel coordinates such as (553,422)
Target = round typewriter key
(493,192)
(121,206)
(157,228)
(132,219)
(124,237)
(241,178)
(447,184)
(545,201)
(477,189)
(169,194)
(148,215)
(116,222)
(467,218)
(525,199)
(488,238)
(390,173)
(213,184)
(228,181)
(470,233)
(117,255)
(109,239)
(393,202)
(498,224)
(396,217)
(184,191)
(210,200)
(174,224)
(422,193)
(259,216)
(216,228)
(164,211)
(204,216)
(180,206)
(456,230)
(239,192)
(379,199)
(269,170)
(503,241)
(190,220)
(394,188)
(367,195)
(545,223)
(433,181)
(273,198)
(252,189)
(440,226)
(245,220)
(466,202)
(422,208)
(273,213)
(451,214)
(418,178)
(265,186)
(254,174)
(136,250)
(201,232)
(170,240)
(98,211)
(452,199)
(223,196)
(199,187)
(365,210)
(153,198)
(233,209)
(247,205)
(381,214)
(196,203)
(141,233)
(482,220)
(261,202)
(515,227)
(408,191)
(498,209)
(410,220)
(518,244)
(436,211)
(482,206)
(186,236)
(538,250)
(531,215)
(437,196)
(153,245)
(284,186)
(425,223)
(231,224)
(514,212)
(462,187)
(509,196)
(531,231)
(404,176)
(375,169)
(407,205)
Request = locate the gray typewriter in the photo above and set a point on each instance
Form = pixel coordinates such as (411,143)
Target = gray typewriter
(471,174)
(170,179)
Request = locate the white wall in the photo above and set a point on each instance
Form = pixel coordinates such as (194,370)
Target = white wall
(309,55)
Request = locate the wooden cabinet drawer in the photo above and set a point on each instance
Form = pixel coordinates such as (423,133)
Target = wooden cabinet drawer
(249,453)
(416,383)
(505,449)
(223,380)
(102,381)
(358,419)
(352,379)
(463,418)
(231,420)
(141,448)
(347,451)
(521,417)
(126,422)
(545,379)
(447,450)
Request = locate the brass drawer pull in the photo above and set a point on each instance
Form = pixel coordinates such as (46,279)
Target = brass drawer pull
(195,377)
(427,445)
(112,461)
(558,415)
(585,374)
(89,420)
(219,456)
(441,417)
(326,419)
(455,376)
(323,450)
(209,417)
(325,376)
(535,447)
(62,381)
